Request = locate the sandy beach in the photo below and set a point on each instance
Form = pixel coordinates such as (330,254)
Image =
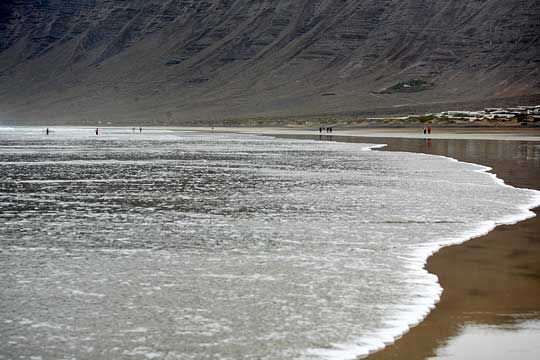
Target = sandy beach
(491,283)
(490,306)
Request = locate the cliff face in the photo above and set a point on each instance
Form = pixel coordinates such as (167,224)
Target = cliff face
(201,61)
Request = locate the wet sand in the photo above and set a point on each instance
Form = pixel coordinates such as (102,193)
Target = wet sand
(459,133)
(491,283)
(491,280)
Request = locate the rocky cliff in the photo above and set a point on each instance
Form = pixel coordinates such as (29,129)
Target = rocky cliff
(204,61)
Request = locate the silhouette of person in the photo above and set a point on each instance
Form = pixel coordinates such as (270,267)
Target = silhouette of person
(97,131)
(47,131)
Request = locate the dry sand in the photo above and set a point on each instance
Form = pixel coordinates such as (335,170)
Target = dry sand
(491,283)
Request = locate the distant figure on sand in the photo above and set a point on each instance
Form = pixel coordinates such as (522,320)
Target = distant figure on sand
(425,130)
(140,129)
(97,131)
(47,131)
(429,130)
(320,130)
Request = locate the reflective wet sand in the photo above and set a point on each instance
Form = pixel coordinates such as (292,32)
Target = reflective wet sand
(491,283)
(489,342)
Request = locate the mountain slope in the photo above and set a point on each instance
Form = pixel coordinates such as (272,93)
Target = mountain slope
(192,61)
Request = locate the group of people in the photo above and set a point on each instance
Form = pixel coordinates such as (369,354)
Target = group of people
(327,129)
(427,130)
(97,131)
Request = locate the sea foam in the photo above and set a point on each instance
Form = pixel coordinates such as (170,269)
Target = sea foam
(411,316)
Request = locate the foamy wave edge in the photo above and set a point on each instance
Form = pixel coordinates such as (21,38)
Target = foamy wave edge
(401,322)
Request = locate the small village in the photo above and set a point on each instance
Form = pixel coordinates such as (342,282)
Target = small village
(522,116)
(503,113)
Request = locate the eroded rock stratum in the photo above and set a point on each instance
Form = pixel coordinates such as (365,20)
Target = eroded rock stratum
(193,61)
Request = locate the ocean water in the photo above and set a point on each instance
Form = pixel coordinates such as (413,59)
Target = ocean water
(179,245)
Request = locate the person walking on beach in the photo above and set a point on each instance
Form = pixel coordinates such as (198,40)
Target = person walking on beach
(429,130)
(140,129)
(320,130)
(97,131)
(47,131)
(425,131)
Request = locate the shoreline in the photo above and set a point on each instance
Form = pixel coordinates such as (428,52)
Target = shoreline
(492,279)
(473,300)
(491,259)
(488,280)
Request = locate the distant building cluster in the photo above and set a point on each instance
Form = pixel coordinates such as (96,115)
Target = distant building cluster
(495,113)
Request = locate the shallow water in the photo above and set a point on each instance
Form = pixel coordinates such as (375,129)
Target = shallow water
(201,246)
